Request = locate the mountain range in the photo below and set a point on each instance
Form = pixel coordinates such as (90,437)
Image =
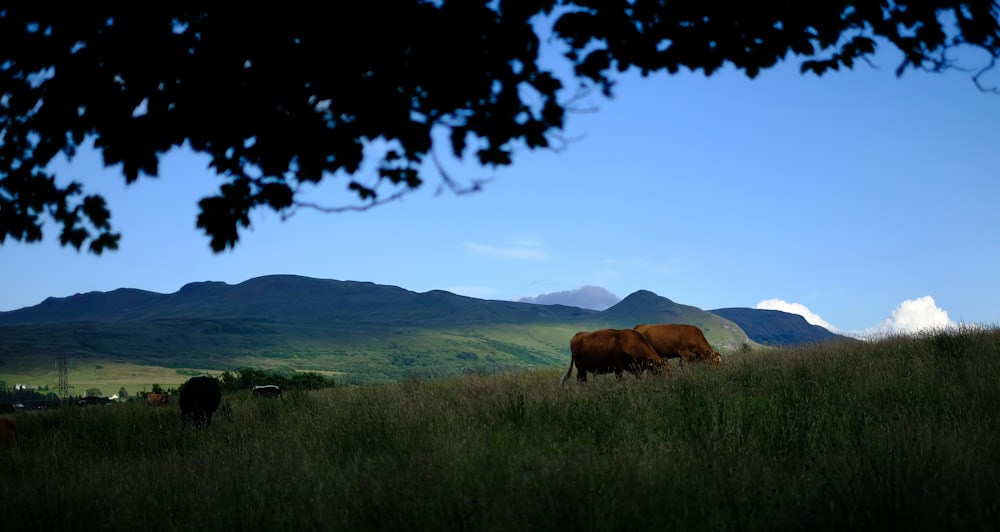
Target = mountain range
(359,330)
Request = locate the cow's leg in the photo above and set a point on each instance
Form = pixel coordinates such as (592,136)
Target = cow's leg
(581,375)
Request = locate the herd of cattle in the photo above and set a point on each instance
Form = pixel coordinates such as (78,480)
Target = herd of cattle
(644,347)
(200,398)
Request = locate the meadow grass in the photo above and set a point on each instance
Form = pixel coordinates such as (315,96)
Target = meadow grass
(109,377)
(900,433)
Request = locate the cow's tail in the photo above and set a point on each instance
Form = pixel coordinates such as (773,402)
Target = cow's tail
(562,381)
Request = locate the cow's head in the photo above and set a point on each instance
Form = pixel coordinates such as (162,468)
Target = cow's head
(658,366)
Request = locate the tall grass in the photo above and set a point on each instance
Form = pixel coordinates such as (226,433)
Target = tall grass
(901,433)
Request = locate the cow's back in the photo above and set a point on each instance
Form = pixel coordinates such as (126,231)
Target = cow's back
(666,339)
(157,399)
(595,349)
(636,346)
(611,350)
(677,340)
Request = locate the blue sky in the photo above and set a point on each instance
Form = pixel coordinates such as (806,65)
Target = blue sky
(865,199)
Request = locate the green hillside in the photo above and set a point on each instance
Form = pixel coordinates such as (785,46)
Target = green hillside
(362,332)
(644,306)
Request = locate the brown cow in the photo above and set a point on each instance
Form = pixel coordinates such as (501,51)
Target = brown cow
(7,428)
(607,350)
(677,340)
(157,399)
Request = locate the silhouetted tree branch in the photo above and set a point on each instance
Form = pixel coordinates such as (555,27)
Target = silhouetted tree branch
(286,95)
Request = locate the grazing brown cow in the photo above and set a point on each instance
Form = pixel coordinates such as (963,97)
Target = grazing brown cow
(607,350)
(200,397)
(267,390)
(7,428)
(157,399)
(677,340)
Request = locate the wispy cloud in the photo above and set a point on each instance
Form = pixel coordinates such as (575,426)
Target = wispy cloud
(517,248)
(797,308)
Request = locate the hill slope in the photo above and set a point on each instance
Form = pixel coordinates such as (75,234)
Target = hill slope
(362,330)
(644,306)
(776,328)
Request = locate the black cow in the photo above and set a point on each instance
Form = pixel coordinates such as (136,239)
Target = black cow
(200,397)
(267,390)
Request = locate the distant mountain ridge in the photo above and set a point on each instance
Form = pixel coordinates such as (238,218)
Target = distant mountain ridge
(344,326)
(283,298)
(776,328)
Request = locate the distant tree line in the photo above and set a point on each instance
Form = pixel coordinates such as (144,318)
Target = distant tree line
(27,398)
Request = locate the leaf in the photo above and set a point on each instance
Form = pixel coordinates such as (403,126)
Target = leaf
(594,65)
(95,208)
(363,192)
(458,135)
(220,216)
(494,156)
(803,47)
(105,241)
(277,195)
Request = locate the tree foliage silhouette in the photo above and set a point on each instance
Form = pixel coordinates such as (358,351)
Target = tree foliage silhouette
(282,97)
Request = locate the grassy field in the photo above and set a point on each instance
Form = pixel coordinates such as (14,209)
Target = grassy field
(108,377)
(898,434)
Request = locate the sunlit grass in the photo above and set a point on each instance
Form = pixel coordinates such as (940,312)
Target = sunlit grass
(896,434)
(108,377)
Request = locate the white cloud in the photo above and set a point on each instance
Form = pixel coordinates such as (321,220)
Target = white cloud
(592,297)
(914,315)
(910,316)
(519,248)
(797,308)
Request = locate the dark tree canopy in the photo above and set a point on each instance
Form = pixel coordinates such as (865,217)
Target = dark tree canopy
(284,96)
